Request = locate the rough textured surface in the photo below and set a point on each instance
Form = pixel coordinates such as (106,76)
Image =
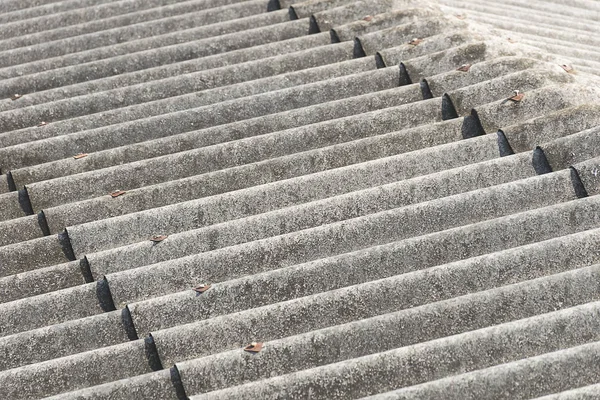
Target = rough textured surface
(353,184)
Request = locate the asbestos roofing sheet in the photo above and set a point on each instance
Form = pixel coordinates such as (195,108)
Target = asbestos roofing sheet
(324,199)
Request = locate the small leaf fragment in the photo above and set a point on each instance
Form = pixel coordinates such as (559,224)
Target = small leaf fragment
(202,288)
(415,41)
(16,96)
(254,347)
(158,238)
(117,193)
(464,68)
(368,18)
(518,96)
(80,155)
(43,123)
(568,68)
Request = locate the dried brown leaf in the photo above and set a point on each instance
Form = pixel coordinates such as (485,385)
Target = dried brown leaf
(568,68)
(464,68)
(80,155)
(158,238)
(117,193)
(254,347)
(202,288)
(415,41)
(517,97)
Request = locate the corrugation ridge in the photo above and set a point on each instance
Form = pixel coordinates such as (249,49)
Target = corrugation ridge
(197,74)
(155,57)
(58,114)
(429,360)
(48,9)
(548,31)
(343,67)
(521,13)
(19,150)
(53,22)
(135,38)
(427,106)
(349,290)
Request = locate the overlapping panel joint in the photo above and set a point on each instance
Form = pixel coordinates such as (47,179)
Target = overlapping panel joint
(284,199)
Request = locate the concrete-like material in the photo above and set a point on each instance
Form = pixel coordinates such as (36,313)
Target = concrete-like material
(263,61)
(344,66)
(148,223)
(40,281)
(94,46)
(494,69)
(523,379)
(260,126)
(508,22)
(586,56)
(152,386)
(324,184)
(430,360)
(103,185)
(32,254)
(578,9)
(62,340)
(509,11)
(49,309)
(369,22)
(20,230)
(59,217)
(536,103)
(505,232)
(305,116)
(54,112)
(584,144)
(304,9)
(589,173)
(154,57)
(465,99)
(18,10)
(10,207)
(303,287)
(376,334)
(525,135)
(443,58)
(74,372)
(341,65)
(424,252)
(376,211)
(534,23)
(344,14)
(438,158)
(239,152)
(334,238)
(109,16)
(4,187)
(193,118)
(199,74)
(590,392)
(403,34)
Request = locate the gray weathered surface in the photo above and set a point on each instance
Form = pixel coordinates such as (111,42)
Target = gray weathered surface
(377,212)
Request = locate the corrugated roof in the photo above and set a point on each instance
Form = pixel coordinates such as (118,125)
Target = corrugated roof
(280,199)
